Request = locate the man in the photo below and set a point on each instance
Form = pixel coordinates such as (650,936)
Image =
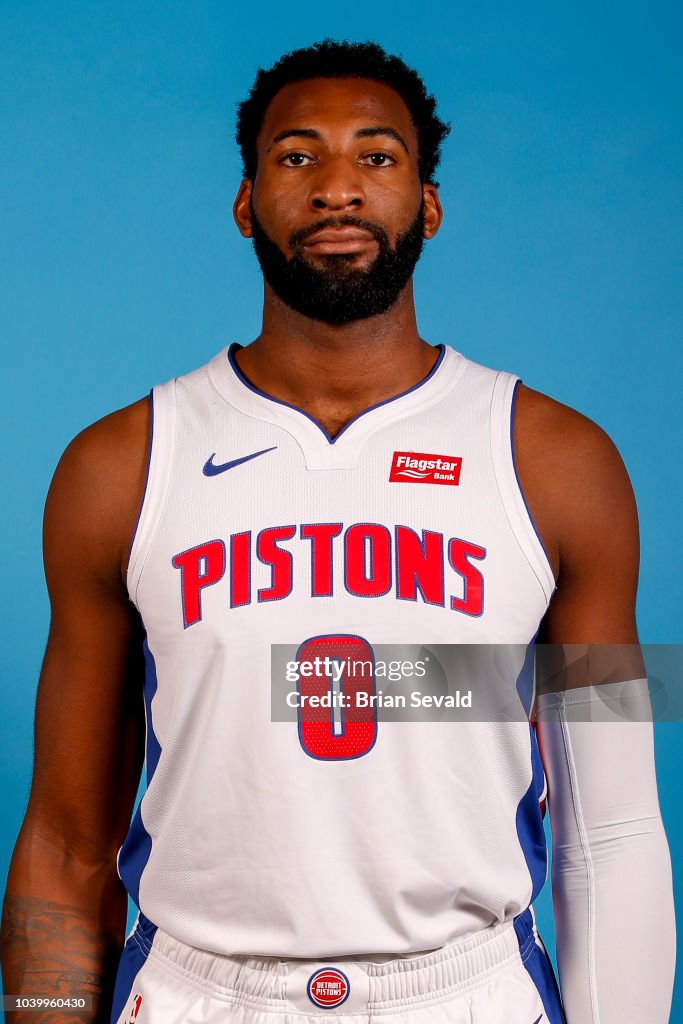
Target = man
(336,485)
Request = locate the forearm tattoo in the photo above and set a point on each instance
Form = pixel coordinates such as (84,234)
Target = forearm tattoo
(53,950)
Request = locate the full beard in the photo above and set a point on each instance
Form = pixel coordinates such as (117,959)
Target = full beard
(338,292)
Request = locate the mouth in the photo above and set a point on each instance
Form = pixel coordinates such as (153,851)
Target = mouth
(330,241)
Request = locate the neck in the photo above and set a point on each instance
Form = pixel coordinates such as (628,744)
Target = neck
(335,372)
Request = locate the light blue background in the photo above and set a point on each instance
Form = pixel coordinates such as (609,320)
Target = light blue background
(559,257)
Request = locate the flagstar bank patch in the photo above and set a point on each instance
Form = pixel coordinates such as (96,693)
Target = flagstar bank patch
(423,468)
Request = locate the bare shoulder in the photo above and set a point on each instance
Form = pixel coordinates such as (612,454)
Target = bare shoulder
(557,429)
(573,478)
(96,492)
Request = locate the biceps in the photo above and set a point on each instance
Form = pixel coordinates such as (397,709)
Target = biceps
(597,529)
(89,724)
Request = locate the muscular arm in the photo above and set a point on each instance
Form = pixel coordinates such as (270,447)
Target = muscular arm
(64,910)
(612,891)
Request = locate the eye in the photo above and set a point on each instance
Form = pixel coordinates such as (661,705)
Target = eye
(295,159)
(379,159)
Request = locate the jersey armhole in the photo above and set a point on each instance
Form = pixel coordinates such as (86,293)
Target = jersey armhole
(509,487)
(162,414)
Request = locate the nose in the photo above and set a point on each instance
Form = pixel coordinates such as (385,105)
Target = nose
(337,186)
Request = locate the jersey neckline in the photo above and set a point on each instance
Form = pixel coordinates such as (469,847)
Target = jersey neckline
(235,347)
(321,452)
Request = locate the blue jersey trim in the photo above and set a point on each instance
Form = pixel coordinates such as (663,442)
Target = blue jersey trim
(332,440)
(133,958)
(153,746)
(540,970)
(529,819)
(513,411)
(137,846)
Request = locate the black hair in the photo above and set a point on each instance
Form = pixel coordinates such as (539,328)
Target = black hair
(333,59)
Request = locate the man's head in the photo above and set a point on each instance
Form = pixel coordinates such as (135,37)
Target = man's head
(340,144)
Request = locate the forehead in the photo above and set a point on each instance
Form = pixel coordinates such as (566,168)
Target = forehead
(336,104)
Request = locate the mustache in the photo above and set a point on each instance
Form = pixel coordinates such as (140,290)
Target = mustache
(298,237)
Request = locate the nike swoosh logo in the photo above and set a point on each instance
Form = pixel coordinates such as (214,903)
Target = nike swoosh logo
(211,469)
(538,1019)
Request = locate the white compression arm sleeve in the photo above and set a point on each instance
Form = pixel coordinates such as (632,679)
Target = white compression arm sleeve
(611,873)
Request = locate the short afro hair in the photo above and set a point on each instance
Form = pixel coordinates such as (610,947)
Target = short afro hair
(333,59)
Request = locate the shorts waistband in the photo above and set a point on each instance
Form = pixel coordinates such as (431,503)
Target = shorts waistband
(268,982)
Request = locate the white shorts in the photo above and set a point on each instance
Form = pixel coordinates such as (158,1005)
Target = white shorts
(499,976)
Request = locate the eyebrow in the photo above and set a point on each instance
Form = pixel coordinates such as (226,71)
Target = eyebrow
(362,133)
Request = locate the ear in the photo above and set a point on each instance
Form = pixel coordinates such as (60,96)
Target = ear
(241,208)
(433,211)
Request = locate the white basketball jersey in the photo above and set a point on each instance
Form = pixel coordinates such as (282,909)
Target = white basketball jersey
(296,839)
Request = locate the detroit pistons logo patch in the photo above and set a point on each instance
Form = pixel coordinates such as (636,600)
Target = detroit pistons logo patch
(424,468)
(328,988)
